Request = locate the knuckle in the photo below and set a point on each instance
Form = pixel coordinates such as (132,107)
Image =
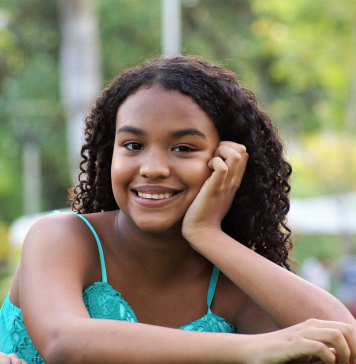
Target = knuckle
(297,340)
(236,157)
(319,348)
(312,321)
(347,352)
(224,168)
(242,149)
(336,335)
(350,329)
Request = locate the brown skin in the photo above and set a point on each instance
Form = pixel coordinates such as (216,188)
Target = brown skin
(139,263)
(154,261)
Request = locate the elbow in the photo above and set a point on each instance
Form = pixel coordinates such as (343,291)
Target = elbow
(55,351)
(58,348)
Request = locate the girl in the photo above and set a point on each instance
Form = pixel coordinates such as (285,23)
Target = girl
(167,198)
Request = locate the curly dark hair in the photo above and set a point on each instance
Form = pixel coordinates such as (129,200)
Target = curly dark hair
(257,217)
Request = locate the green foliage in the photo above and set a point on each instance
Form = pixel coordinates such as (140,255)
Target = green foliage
(5,284)
(312,44)
(130,32)
(29,102)
(331,156)
(329,247)
(297,56)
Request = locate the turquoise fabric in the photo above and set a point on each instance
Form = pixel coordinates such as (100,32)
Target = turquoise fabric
(101,301)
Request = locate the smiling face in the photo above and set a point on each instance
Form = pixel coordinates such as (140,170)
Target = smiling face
(163,144)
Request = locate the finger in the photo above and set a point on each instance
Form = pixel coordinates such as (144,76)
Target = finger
(315,360)
(4,359)
(318,349)
(217,179)
(235,158)
(333,338)
(226,149)
(350,335)
(346,330)
(15,359)
(240,148)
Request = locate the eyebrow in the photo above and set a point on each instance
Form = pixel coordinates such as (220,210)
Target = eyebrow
(189,131)
(175,134)
(131,129)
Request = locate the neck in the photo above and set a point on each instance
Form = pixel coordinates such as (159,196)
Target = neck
(164,254)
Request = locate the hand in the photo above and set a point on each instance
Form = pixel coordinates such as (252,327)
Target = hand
(10,359)
(216,195)
(312,341)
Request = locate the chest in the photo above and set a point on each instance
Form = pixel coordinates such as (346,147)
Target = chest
(103,302)
(173,302)
(177,302)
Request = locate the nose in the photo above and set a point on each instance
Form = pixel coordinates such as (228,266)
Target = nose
(155,165)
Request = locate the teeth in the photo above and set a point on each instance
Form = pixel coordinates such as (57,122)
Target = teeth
(154,196)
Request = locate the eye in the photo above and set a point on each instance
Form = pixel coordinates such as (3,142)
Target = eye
(183,148)
(133,146)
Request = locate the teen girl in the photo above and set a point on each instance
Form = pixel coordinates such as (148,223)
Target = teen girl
(167,198)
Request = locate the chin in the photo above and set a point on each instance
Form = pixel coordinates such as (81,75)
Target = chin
(157,227)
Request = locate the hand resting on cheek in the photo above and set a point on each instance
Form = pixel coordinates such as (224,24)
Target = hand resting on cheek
(217,193)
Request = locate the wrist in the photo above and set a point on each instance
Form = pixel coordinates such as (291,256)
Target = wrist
(200,237)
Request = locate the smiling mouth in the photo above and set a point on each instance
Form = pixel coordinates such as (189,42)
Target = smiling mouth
(155,196)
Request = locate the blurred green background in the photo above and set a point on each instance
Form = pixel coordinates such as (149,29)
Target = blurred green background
(299,58)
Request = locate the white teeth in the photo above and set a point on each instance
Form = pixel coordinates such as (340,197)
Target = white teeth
(154,196)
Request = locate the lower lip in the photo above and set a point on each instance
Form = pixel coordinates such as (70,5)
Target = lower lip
(150,202)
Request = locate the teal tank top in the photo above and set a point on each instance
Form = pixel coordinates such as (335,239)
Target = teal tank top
(102,301)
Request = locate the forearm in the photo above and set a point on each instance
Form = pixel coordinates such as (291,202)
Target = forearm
(107,341)
(285,297)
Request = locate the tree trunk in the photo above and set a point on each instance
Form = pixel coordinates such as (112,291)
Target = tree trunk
(80,71)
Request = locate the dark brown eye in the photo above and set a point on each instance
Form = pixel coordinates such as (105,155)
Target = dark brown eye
(183,148)
(133,146)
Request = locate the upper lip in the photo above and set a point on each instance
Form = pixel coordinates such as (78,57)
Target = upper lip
(154,189)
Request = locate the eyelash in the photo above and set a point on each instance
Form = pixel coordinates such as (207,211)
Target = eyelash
(126,145)
(188,147)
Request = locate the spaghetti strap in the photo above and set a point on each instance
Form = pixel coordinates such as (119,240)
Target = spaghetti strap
(212,286)
(101,253)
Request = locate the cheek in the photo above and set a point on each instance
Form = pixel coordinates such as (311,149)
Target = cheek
(120,174)
(197,173)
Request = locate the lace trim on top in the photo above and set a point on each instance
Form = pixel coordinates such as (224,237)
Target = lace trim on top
(21,343)
(103,301)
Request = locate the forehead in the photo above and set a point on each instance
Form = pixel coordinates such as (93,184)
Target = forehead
(161,108)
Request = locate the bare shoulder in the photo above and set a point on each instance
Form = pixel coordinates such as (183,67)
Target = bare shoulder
(55,226)
(60,245)
(58,260)
(63,229)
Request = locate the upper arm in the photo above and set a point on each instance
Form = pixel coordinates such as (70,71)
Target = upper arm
(54,266)
(251,319)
